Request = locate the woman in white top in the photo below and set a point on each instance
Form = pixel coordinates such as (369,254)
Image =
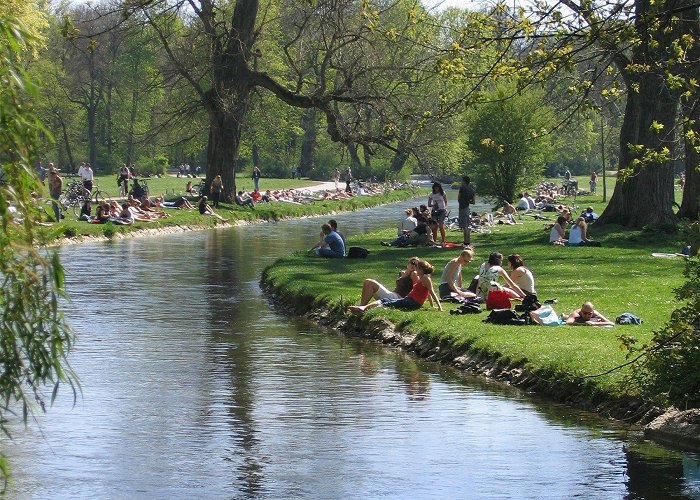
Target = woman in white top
(577,234)
(558,234)
(521,275)
(489,271)
(437,201)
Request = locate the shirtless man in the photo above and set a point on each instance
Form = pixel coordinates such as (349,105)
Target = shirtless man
(588,316)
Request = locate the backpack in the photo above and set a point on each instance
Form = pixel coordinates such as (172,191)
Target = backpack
(504,317)
(357,253)
(529,303)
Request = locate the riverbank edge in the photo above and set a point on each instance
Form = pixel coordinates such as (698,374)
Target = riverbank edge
(671,427)
(182,228)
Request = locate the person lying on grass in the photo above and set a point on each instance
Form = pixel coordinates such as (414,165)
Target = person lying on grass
(404,284)
(422,290)
(588,316)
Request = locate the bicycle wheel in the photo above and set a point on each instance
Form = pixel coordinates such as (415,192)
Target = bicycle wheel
(101,196)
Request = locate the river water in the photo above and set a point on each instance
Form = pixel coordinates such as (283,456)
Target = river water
(194,387)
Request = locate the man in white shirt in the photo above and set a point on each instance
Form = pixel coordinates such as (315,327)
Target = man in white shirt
(87,175)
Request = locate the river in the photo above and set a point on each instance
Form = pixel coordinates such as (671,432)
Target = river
(192,386)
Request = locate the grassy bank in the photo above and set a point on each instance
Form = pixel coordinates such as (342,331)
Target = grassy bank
(618,277)
(71,228)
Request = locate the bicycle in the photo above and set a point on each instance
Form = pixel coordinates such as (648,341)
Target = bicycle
(569,188)
(76,194)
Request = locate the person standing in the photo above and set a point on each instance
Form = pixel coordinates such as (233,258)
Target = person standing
(124,175)
(437,201)
(217,185)
(336,178)
(55,188)
(256,177)
(594,181)
(464,199)
(87,175)
(348,180)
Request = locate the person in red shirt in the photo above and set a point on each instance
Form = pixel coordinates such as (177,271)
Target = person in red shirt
(422,290)
(256,195)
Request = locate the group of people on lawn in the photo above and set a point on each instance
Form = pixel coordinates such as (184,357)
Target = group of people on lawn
(414,286)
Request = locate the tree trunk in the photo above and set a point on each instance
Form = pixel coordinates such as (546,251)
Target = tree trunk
(399,159)
(646,196)
(255,154)
(222,152)
(309,124)
(92,134)
(691,189)
(355,162)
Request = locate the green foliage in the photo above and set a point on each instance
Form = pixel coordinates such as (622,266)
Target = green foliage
(34,338)
(668,369)
(507,141)
(156,165)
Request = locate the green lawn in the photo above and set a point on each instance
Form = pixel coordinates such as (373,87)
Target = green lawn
(620,276)
(173,187)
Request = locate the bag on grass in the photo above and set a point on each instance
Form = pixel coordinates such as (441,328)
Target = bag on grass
(357,253)
(497,299)
(628,319)
(504,317)
(545,315)
(467,308)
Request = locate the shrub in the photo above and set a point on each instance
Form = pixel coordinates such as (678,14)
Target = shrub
(668,372)
(109,231)
(70,232)
(152,166)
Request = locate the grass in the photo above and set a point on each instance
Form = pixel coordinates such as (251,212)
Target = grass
(618,277)
(69,227)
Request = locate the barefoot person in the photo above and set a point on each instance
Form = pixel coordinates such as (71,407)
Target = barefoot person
(404,284)
(588,316)
(422,290)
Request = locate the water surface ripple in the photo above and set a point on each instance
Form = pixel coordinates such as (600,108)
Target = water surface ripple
(193,387)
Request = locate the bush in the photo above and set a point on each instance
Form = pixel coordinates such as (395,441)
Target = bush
(157,165)
(668,372)
(109,231)
(70,232)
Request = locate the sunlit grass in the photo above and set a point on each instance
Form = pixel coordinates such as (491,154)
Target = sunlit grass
(621,276)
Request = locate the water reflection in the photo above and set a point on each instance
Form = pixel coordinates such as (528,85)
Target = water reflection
(194,387)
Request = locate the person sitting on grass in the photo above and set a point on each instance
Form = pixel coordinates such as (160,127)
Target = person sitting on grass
(451,279)
(421,236)
(86,211)
(521,275)
(102,213)
(205,209)
(407,224)
(422,290)
(587,316)
(256,195)
(557,235)
(372,289)
(489,271)
(243,199)
(577,235)
(331,244)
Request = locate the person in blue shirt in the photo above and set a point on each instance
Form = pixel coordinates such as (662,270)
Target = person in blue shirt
(589,215)
(331,244)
